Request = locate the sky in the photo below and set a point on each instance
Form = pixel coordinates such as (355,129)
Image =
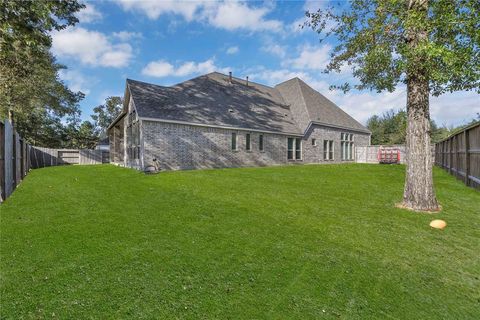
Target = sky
(167,42)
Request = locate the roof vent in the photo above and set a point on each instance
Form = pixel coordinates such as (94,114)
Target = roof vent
(230,110)
(247,81)
(230,76)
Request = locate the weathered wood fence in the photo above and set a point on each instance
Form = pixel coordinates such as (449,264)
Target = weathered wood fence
(460,155)
(17,158)
(47,157)
(14,159)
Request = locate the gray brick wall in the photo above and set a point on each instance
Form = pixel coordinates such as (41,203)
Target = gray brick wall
(314,154)
(179,146)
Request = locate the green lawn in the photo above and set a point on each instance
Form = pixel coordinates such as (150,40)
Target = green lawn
(295,242)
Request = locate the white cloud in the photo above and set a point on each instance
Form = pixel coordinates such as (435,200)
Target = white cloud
(154,9)
(234,15)
(274,77)
(90,48)
(75,80)
(363,105)
(162,68)
(311,58)
(455,108)
(89,14)
(228,15)
(158,69)
(127,35)
(232,50)
(275,49)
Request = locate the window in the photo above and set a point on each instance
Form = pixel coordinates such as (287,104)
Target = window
(328,149)
(314,142)
(234,141)
(260,142)
(294,149)
(290,148)
(347,146)
(248,145)
(298,149)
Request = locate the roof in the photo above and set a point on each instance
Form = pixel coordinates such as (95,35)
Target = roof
(212,99)
(317,107)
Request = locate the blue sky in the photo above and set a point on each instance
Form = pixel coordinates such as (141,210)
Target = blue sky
(167,42)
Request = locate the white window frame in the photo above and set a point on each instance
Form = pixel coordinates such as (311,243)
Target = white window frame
(348,147)
(328,150)
(294,150)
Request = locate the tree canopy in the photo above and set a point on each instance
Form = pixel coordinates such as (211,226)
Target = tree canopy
(104,114)
(373,39)
(45,110)
(391,128)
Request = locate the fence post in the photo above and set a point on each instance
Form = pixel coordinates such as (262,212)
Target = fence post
(22,164)
(467,157)
(3,195)
(14,160)
(450,169)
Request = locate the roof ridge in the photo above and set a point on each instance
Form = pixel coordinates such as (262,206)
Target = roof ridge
(299,82)
(241,79)
(149,83)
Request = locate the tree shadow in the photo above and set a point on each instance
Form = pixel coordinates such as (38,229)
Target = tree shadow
(213,99)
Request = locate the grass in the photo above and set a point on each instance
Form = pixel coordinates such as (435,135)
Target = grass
(295,242)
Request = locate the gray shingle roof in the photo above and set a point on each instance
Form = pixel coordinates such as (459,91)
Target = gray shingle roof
(316,106)
(212,100)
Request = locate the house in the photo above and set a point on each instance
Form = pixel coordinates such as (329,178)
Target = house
(217,120)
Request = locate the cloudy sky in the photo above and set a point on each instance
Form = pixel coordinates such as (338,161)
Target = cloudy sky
(167,42)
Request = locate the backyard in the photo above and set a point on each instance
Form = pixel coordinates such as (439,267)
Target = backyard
(292,242)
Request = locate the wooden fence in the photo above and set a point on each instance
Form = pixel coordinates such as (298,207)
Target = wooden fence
(47,157)
(17,158)
(14,159)
(460,155)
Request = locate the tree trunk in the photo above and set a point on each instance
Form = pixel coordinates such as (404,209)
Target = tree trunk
(418,193)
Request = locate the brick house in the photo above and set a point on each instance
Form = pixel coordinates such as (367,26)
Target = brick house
(217,120)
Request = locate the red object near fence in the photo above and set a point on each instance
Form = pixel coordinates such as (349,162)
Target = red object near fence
(389,155)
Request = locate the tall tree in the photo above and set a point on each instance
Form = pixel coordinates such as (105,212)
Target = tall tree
(104,114)
(29,73)
(430,46)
